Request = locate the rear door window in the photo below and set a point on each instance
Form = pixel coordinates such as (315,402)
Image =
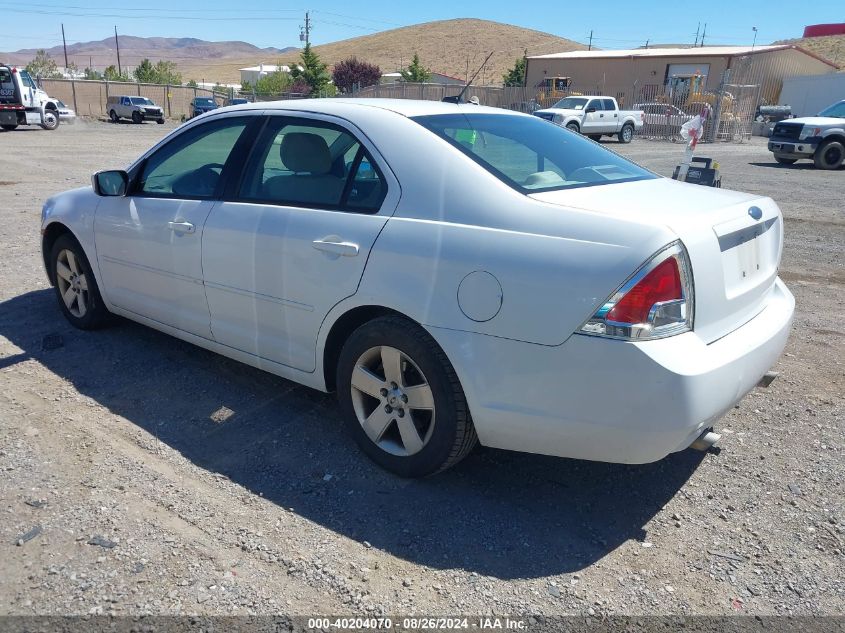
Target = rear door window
(609,105)
(309,163)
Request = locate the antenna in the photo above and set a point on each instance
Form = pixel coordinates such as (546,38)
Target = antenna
(457,98)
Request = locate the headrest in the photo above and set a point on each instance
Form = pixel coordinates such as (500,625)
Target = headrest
(304,152)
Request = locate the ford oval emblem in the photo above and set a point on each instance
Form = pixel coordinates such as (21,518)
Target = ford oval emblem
(755,212)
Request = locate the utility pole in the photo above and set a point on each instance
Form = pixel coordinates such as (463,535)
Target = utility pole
(72,84)
(704,34)
(646,43)
(697,30)
(305,33)
(590,46)
(64,44)
(754,43)
(117,45)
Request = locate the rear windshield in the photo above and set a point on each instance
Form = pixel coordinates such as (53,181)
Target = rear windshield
(204,101)
(531,154)
(7,87)
(140,101)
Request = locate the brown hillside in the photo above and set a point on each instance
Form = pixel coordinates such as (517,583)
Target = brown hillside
(447,46)
(831,47)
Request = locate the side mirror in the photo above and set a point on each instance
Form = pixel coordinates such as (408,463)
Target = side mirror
(114,182)
(589,110)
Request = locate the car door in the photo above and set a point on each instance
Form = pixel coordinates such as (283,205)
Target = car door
(292,239)
(610,116)
(149,241)
(593,121)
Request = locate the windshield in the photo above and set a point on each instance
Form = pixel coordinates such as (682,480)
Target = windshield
(141,101)
(204,102)
(837,111)
(571,103)
(531,154)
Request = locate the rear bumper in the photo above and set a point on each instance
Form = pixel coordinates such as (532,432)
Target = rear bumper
(608,400)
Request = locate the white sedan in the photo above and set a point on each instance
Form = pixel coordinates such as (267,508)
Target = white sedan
(456,273)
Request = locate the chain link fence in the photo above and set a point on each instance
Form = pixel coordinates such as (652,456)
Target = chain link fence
(666,108)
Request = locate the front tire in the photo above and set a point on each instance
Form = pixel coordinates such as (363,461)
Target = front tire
(50,120)
(76,288)
(9,128)
(160,121)
(401,399)
(113,116)
(136,117)
(573,127)
(595,137)
(626,134)
(829,155)
(783,160)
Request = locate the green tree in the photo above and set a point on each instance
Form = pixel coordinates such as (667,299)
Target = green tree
(43,65)
(162,72)
(111,74)
(90,73)
(166,73)
(272,83)
(313,71)
(191,83)
(415,72)
(516,75)
(145,72)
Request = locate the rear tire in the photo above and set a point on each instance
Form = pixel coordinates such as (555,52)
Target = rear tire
(113,116)
(595,137)
(393,379)
(572,126)
(626,134)
(9,128)
(783,160)
(137,118)
(76,288)
(829,155)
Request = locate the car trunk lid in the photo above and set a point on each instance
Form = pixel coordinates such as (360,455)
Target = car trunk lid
(734,241)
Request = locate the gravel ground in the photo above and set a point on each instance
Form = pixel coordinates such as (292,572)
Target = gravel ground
(142,475)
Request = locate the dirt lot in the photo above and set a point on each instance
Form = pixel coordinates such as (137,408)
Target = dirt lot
(165,479)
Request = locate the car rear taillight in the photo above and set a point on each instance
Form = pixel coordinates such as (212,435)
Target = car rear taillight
(655,302)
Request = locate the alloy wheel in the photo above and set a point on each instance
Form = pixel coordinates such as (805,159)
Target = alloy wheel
(393,401)
(73,285)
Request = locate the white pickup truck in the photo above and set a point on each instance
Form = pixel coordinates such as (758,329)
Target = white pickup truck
(820,138)
(594,117)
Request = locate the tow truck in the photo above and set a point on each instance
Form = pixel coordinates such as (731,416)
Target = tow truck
(23,102)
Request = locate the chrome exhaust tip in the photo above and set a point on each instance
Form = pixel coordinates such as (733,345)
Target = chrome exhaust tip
(706,440)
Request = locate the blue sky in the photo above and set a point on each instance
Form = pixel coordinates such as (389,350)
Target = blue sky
(616,24)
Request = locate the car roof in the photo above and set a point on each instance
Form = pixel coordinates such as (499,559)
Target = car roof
(405,107)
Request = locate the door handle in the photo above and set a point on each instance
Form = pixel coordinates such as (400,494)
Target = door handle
(181,227)
(601,116)
(334,246)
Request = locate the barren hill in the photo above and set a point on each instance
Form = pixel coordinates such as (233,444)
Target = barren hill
(446,46)
(831,47)
(453,47)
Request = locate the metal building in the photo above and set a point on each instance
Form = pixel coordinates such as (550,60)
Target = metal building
(648,74)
